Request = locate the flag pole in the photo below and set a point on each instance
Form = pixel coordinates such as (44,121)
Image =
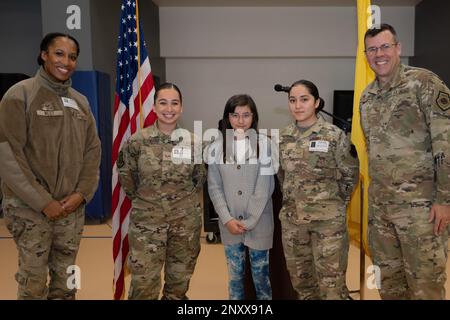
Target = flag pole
(362,254)
(138,41)
(363,76)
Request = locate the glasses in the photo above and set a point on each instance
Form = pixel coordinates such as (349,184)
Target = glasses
(245,115)
(383,48)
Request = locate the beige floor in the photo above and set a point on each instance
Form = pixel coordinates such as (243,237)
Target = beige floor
(95,261)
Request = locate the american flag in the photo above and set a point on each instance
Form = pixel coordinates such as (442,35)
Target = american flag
(128,107)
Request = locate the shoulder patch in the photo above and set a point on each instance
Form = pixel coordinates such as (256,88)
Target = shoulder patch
(120,162)
(443,100)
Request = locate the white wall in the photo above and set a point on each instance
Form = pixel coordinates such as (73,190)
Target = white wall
(213,53)
(208,83)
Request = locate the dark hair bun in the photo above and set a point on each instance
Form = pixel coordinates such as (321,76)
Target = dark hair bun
(321,105)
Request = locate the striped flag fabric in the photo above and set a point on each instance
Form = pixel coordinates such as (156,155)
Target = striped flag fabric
(133,103)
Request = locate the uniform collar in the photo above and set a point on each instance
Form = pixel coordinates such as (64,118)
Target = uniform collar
(61,88)
(154,132)
(315,128)
(395,81)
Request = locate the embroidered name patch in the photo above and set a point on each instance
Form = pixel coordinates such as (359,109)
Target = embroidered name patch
(53,113)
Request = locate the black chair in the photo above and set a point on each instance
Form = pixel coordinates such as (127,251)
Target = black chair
(210,218)
(8,79)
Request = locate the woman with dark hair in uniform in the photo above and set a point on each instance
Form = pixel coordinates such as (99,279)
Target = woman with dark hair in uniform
(317,177)
(49,169)
(159,174)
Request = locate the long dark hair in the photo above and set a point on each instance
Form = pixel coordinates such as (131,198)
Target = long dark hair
(238,100)
(312,89)
(48,40)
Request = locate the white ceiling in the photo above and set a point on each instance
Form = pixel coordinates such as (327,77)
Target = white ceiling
(278,3)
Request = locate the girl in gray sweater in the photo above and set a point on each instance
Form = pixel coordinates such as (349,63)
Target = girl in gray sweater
(240,187)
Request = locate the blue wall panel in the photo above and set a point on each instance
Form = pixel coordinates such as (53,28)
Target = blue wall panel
(95,86)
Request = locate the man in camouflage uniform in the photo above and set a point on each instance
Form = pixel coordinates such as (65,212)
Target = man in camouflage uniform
(317,177)
(405,116)
(161,178)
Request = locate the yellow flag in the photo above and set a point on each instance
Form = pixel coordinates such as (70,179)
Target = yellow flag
(363,76)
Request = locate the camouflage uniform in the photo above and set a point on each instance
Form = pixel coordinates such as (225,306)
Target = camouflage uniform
(48,151)
(45,247)
(406,125)
(165,219)
(318,176)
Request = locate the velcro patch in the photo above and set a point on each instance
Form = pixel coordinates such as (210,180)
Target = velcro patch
(120,161)
(443,100)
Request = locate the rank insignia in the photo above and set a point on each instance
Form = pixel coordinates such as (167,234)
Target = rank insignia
(47,106)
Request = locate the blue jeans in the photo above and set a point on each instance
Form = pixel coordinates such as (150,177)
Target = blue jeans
(259,262)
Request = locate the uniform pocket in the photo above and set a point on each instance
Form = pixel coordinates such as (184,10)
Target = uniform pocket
(78,115)
(50,122)
(14,225)
(292,159)
(321,210)
(150,159)
(322,164)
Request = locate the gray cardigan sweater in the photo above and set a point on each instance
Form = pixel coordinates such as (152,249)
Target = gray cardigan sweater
(241,192)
